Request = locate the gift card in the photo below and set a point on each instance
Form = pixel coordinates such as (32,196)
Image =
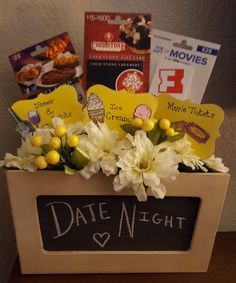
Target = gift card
(116,108)
(117,50)
(192,53)
(46,65)
(199,122)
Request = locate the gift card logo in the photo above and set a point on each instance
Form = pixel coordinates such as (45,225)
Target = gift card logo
(108,45)
(108,36)
(171,81)
(130,80)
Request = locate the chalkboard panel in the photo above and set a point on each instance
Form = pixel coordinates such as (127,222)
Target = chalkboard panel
(116,223)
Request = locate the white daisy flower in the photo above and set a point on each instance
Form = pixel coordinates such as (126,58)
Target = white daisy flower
(216,164)
(144,166)
(25,157)
(23,163)
(26,149)
(185,153)
(102,146)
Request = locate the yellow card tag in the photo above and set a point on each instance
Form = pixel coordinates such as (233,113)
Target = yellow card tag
(118,107)
(200,122)
(62,103)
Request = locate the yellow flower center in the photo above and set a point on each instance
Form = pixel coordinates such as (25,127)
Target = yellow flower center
(144,164)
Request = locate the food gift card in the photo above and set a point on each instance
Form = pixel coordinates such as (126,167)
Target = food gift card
(116,50)
(45,65)
(195,58)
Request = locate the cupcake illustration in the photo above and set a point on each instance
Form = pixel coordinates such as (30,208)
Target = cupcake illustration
(95,108)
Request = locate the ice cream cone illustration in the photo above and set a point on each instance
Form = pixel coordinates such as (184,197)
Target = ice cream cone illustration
(96,109)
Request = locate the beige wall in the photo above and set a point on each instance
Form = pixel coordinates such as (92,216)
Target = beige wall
(25,22)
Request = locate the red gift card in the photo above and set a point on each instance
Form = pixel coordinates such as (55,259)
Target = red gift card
(116,50)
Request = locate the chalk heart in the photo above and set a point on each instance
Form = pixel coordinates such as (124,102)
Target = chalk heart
(62,102)
(118,107)
(101,238)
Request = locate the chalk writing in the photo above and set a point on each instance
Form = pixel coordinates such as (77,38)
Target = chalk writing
(130,226)
(116,223)
(57,226)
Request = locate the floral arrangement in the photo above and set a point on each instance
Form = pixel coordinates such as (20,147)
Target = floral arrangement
(150,153)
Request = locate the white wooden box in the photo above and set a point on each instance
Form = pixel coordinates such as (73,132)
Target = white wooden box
(25,187)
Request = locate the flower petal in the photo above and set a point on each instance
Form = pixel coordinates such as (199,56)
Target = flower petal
(90,169)
(120,183)
(140,192)
(159,191)
(215,163)
(56,121)
(108,165)
(151,179)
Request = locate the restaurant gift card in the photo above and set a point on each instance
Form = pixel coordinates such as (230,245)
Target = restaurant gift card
(116,50)
(46,65)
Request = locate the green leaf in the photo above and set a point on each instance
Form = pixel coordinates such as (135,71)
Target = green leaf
(46,148)
(128,128)
(154,134)
(79,158)
(175,137)
(69,171)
